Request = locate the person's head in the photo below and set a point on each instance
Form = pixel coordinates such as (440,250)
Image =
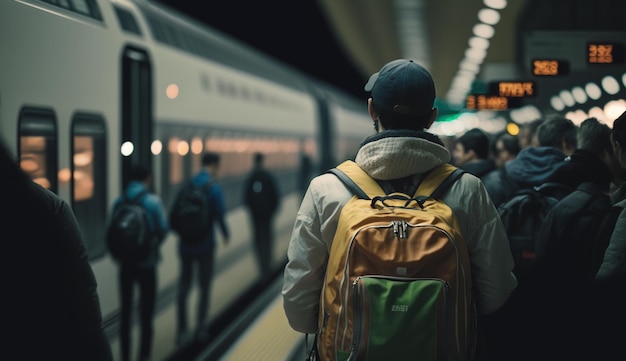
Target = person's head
(258,159)
(472,145)
(402,96)
(595,137)
(141,173)
(211,161)
(618,138)
(505,147)
(558,132)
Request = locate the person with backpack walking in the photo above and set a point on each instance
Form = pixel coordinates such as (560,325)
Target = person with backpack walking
(141,270)
(262,199)
(50,308)
(398,158)
(198,250)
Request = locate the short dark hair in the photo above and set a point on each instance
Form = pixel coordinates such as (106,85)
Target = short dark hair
(594,137)
(210,158)
(139,172)
(477,140)
(619,130)
(555,130)
(390,120)
(510,142)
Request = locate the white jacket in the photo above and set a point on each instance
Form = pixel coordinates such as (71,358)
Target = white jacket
(386,157)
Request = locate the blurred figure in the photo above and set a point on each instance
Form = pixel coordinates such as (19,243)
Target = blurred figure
(50,309)
(262,200)
(200,254)
(534,165)
(471,153)
(528,134)
(613,264)
(505,148)
(141,272)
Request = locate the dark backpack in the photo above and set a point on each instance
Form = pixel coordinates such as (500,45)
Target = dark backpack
(190,215)
(128,236)
(523,215)
(576,233)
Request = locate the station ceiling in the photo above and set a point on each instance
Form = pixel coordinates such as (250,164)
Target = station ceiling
(437,32)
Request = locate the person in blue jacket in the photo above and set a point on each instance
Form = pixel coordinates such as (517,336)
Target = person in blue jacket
(201,253)
(142,272)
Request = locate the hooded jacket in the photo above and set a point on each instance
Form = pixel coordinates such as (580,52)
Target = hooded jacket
(532,166)
(386,156)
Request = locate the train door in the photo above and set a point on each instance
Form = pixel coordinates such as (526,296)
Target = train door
(136,113)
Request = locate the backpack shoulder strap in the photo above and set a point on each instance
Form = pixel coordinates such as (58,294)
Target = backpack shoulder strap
(357,180)
(438,180)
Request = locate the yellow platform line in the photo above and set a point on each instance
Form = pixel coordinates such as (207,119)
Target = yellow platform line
(270,338)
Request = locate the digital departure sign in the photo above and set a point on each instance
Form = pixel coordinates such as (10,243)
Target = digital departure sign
(487,102)
(599,52)
(513,89)
(550,67)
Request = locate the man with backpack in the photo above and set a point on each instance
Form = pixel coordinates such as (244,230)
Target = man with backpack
(398,157)
(140,269)
(200,199)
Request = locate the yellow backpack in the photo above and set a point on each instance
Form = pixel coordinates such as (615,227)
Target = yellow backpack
(398,283)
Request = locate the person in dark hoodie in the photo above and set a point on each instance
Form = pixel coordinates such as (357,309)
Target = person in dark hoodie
(50,308)
(534,165)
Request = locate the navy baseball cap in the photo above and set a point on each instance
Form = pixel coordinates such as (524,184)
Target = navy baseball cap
(402,86)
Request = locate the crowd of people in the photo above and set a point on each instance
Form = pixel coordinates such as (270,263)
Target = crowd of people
(567,303)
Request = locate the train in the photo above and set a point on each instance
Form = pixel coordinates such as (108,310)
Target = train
(91,88)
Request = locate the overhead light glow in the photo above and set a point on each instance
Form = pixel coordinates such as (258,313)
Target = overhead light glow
(610,85)
(579,95)
(567,97)
(478,43)
(495,4)
(593,91)
(614,109)
(557,103)
(489,16)
(484,31)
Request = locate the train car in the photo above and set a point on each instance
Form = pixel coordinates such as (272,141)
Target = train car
(89,88)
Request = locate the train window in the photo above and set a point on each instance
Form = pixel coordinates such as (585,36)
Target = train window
(37,146)
(84,7)
(127,21)
(88,180)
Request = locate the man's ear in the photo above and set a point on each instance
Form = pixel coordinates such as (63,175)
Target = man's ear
(432,117)
(370,109)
